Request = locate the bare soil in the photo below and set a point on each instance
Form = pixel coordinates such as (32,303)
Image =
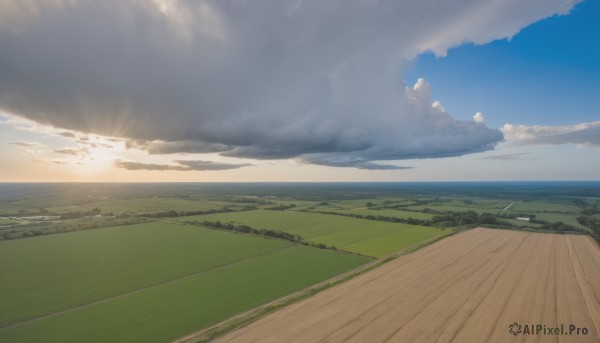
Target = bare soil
(466,288)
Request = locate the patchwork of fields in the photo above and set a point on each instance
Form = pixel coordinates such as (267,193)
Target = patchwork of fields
(151,282)
(467,288)
(95,263)
(371,238)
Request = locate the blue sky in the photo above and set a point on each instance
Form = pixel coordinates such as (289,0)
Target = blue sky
(549,73)
(299,90)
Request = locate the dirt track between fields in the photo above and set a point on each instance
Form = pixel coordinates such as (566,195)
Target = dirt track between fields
(466,288)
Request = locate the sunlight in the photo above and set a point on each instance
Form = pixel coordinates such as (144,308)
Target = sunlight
(98,155)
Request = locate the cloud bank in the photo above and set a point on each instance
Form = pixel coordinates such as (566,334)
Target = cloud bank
(315,80)
(181,165)
(580,134)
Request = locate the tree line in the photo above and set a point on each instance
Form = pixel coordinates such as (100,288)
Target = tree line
(457,218)
(259,232)
(48,228)
(173,213)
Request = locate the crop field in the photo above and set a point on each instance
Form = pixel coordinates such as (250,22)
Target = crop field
(466,288)
(371,238)
(150,282)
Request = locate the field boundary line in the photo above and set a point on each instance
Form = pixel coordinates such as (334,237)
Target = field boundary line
(245,318)
(137,290)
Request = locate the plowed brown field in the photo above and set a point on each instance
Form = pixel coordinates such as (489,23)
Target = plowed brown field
(466,288)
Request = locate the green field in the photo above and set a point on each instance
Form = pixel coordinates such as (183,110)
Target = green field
(146,205)
(150,282)
(7,221)
(570,219)
(533,207)
(367,237)
(82,266)
(390,213)
(448,208)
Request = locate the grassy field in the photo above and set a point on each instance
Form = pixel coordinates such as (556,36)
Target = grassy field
(154,204)
(22,207)
(146,205)
(171,277)
(371,238)
(6,221)
(173,310)
(566,218)
(543,206)
(449,208)
(51,273)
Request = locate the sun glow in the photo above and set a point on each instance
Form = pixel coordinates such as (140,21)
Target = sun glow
(98,154)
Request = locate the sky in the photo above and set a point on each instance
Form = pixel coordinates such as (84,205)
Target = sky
(229,90)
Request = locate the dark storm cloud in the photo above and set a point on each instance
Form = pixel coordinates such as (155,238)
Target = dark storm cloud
(257,79)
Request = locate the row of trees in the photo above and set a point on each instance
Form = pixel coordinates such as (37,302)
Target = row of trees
(468,218)
(247,229)
(282,207)
(455,219)
(173,213)
(259,232)
(76,215)
(48,228)
(411,220)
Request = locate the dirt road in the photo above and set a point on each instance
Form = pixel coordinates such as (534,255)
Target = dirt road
(467,288)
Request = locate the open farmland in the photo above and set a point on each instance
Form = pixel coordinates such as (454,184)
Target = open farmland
(371,238)
(149,282)
(145,205)
(467,288)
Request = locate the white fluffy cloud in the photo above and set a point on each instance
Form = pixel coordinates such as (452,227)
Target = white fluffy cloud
(580,134)
(311,79)
(478,117)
